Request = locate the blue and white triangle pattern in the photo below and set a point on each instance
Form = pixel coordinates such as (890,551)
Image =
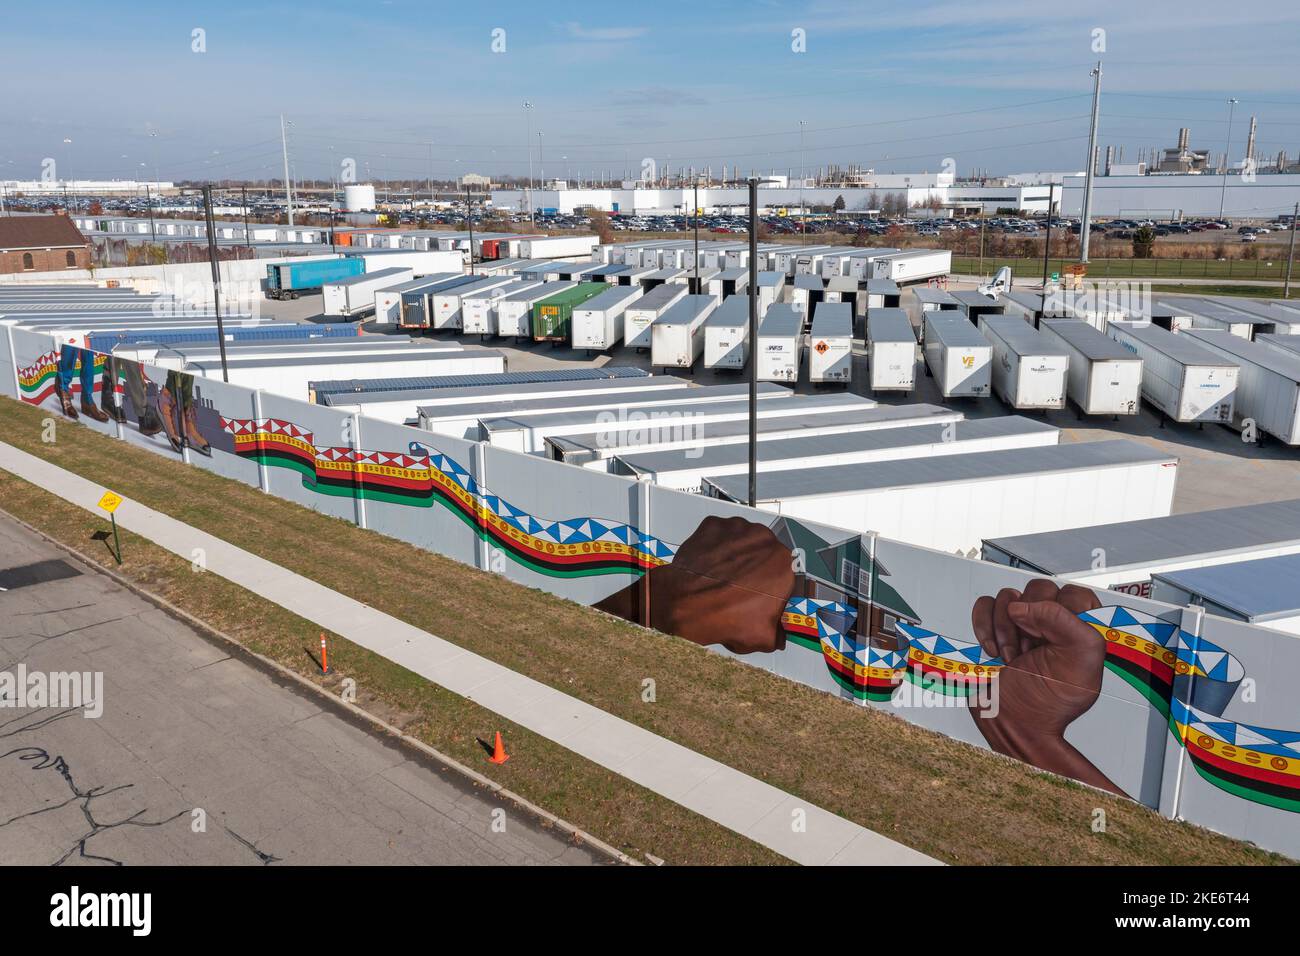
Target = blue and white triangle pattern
(565,531)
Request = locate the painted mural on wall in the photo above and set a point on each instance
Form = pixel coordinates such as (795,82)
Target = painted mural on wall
(734,583)
(768,585)
(157,405)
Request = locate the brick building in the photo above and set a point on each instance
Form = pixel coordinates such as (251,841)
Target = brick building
(41,244)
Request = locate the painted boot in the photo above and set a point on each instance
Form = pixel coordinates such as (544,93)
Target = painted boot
(193,437)
(167,411)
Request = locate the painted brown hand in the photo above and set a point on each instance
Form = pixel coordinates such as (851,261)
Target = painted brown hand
(1054,665)
(728,584)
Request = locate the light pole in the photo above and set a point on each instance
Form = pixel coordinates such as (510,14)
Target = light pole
(1085,227)
(1227,157)
(528,142)
(803,177)
(1290,256)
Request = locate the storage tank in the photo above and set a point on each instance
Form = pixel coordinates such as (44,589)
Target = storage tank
(358,197)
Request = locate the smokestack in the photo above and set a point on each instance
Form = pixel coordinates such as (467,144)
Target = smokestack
(1184,136)
(1250,140)
(1110,158)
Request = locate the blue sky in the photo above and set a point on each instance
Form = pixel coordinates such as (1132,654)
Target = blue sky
(898,86)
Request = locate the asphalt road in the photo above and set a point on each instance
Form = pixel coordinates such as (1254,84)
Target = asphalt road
(276,778)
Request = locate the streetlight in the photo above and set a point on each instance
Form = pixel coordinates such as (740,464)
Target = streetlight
(803,176)
(1227,157)
(528,144)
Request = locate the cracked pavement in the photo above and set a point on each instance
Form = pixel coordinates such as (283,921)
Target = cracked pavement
(186,727)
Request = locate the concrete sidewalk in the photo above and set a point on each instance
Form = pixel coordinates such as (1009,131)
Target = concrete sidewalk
(778,820)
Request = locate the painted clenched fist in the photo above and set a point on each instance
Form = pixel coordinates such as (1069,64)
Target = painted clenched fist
(1054,664)
(728,584)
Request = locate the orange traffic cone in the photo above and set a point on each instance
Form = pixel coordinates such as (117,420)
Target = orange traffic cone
(499,754)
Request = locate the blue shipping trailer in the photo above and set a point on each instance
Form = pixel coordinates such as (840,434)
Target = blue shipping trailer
(288,279)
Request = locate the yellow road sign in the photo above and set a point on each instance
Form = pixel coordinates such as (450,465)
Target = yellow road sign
(110,501)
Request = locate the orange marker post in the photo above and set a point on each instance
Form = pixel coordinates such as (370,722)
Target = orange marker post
(324,656)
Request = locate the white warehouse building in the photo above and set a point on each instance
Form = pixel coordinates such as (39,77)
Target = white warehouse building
(1196,196)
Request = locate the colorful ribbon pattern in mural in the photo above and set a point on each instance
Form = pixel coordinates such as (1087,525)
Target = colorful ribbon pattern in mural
(1189,680)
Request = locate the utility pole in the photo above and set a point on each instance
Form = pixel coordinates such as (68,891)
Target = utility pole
(803,177)
(216,277)
(284,146)
(1047,243)
(1227,157)
(753,340)
(697,235)
(1084,226)
(528,123)
(248,233)
(1290,256)
(469,218)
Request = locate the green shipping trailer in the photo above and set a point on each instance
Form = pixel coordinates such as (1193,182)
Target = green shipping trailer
(553,317)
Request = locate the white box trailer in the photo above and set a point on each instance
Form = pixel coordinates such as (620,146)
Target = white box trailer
(684,469)
(727,283)
(597,324)
(891,351)
(954,502)
(830,344)
(913,266)
(862,266)
(463,420)
(400,405)
(805,292)
(528,433)
(554,247)
(974,304)
(726,335)
(882,294)
(421,263)
(659,277)
(356,296)
(388,302)
(697,282)
(777,351)
(1135,550)
(641,314)
(1029,370)
(958,358)
(1260,592)
(934,300)
(292,377)
(770,287)
(514,312)
(594,450)
(788,256)
(478,310)
(677,336)
(1268,383)
(448,303)
(1105,378)
(1279,320)
(1286,343)
(1207,315)
(417,304)
(324,349)
(1182,378)
(1024,305)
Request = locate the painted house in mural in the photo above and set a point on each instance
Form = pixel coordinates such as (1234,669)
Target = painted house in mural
(843,607)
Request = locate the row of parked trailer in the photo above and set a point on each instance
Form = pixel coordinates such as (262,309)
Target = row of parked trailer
(825,261)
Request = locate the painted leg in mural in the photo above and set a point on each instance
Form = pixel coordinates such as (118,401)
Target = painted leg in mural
(1054,664)
(63,380)
(728,584)
(189,419)
(133,383)
(167,409)
(88,406)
